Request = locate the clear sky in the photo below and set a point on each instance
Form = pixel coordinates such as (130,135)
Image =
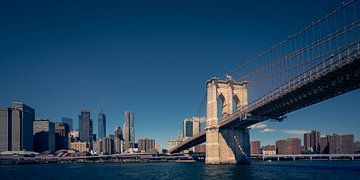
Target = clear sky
(150,57)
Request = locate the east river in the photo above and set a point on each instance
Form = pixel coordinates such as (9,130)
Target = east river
(257,170)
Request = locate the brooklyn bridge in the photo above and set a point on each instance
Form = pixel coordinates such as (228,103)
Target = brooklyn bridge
(317,63)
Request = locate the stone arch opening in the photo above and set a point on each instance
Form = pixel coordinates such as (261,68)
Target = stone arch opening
(220,106)
(235,103)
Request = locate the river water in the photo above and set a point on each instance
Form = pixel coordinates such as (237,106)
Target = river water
(256,170)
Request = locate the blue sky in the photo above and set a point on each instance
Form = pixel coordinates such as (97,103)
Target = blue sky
(150,57)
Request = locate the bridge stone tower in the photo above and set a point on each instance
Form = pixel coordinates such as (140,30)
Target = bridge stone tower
(225,146)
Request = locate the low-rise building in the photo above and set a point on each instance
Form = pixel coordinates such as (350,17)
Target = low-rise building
(80,146)
(269,150)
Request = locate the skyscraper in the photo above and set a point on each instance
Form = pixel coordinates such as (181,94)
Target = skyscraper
(118,141)
(101,125)
(44,135)
(85,126)
(68,121)
(22,127)
(128,130)
(188,128)
(5,129)
(62,136)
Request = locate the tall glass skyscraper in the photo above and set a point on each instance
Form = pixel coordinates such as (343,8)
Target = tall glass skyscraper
(188,128)
(22,127)
(85,134)
(101,125)
(128,130)
(68,121)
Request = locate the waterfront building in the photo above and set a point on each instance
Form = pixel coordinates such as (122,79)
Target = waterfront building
(44,135)
(269,150)
(341,144)
(61,136)
(85,134)
(5,129)
(158,148)
(118,141)
(108,145)
(22,127)
(68,121)
(98,146)
(74,135)
(176,142)
(80,146)
(255,147)
(129,131)
(187,128)
(146,145)
(324,147)
(101,125)
(312,141)
(290,146)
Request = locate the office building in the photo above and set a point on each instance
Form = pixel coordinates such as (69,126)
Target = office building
(85,126)
(118,141)
(324,147)
(5,129)
(22,127)
(188,128)
(101,125)
(61,136)
(129,131)
(312,141)
(108,145)
(68,121)
(44,135)
(146,145)
(269,150)
(255,147)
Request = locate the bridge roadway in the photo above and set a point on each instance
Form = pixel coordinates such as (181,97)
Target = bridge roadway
(337,74)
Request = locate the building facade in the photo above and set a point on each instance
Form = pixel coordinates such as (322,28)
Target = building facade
(255,147)
(68,121)
(22,127)
(269,150)
(61,136)
(290,146)
(146,145)
(44,135)
(196,125)
(5,129)
(85,133)
(312,141)
(118,141)
(129,130)
(101,125)
(187,128)
(80,146)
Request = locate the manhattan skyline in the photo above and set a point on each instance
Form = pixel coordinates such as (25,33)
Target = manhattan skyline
(151,60)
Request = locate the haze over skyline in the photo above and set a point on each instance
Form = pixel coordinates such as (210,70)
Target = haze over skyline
(152,58)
